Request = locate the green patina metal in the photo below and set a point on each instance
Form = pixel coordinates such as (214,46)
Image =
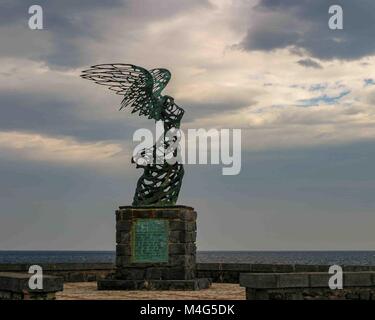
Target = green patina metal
(150,240)
(160,182)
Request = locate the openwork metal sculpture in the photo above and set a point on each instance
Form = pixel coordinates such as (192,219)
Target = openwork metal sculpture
(161,181)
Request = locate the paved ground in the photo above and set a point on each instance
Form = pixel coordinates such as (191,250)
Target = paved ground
(87,291)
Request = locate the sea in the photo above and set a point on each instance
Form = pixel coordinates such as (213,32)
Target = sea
(262,257)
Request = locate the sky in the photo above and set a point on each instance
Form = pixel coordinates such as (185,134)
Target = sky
(302,94)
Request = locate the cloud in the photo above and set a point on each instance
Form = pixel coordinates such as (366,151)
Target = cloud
(309,63)
(38,99)
(303,25)
(216,85)
(62,151)
(369,82)
(295,126)
(71,27)
(66,25)
(65,147)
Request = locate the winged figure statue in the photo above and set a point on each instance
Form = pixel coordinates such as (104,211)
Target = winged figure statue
(142,89)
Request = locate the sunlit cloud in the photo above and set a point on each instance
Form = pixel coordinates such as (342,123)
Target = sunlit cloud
(62,151)
(218,83)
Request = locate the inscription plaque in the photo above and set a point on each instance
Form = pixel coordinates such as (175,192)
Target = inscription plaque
(150,240)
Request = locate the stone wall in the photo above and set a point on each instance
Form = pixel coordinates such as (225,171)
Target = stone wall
(230,272)
(307,286)
(219,272)
(71,272)
(351,293)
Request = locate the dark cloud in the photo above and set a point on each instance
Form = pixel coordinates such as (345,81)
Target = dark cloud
(68,18)
(65,23)
(303,24)
(56,116)
(309,63)
(50,207)
(196,110)
(369,82)
(59,116)
(69,24)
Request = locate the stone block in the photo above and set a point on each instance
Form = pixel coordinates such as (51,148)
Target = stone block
(319,280)
(124,215)
(274,268)
(122,226)
(123,261)
(240,267)
(357,279)
(293,280)
(209,266)
(131,274)
(179,225)
(182,260)
(307,286)
(123,237)
(256,294)
(182,248)
(310,268)
(182,236)
(175,273)
(189,215)
(283,268)
(123,250)
(170,214)
(303,268)
(75,277)
(154,273)
(258,280)
(356,268)
(16,286)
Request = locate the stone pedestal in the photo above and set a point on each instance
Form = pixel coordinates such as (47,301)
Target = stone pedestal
(155,250)
(15,286)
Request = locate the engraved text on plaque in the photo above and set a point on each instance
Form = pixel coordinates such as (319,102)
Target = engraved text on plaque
(150,240)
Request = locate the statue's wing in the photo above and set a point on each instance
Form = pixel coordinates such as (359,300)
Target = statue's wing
(161,78)
(133,82)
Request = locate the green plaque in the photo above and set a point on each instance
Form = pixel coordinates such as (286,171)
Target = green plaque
(150,240)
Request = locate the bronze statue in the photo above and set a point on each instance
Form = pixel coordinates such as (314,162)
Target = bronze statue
(161,181)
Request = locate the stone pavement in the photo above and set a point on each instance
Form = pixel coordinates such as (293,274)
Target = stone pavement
(88,291)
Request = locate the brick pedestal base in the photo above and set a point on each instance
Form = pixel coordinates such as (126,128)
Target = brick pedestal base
(155,250)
